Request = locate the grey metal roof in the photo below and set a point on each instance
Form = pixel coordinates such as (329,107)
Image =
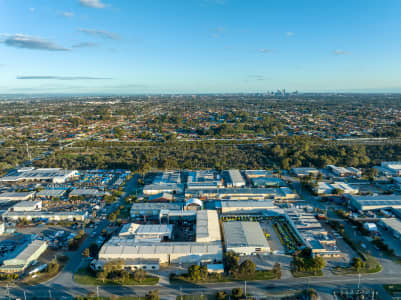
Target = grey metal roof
(156,206)
(378,198)
(393,223)
(244,234)
(247,203)
(236,177)
(51,193)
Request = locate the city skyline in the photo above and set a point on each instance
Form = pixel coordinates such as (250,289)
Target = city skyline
(198,46)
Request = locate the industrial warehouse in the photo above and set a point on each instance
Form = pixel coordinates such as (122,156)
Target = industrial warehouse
(139,245)
(53,175)
(364,203)
(177,219)
(245,238)
(19,261)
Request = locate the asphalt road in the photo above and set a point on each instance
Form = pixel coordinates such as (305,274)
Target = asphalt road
(61,286)
(66,290)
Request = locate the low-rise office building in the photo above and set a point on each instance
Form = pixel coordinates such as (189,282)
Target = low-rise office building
(131,264)
(147,232)
(312,234)
(165,252)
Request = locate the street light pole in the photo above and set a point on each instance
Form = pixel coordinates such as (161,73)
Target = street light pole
(359,280)
(245,288)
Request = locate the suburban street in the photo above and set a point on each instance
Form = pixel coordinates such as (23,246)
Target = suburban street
(67,289)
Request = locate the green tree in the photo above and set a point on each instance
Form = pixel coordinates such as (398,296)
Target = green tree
(139,275)
(112,217)
(319,263)
(237,293)
(277,270)
(101,275)
(86,252)
(204,273)
(247,268)
(221,295)
(358,264)
(153,295)
(231,261)
(194,272)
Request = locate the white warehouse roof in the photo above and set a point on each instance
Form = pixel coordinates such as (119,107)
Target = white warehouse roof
(244,234)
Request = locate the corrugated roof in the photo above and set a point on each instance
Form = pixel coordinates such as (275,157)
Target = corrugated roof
(244,234)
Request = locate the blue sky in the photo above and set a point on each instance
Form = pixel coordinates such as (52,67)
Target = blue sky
(199,46)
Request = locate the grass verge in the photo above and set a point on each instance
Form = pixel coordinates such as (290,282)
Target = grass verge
(258,275)
(298,274)
(393,289)
(45,276)
(82,276)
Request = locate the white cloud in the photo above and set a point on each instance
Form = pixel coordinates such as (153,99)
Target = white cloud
(92,3)
(340,52)
(67,14)
(30,42)
(289,33)
(36,77)
(100,33)
(264,50)
(85,45)
(257,77)
(218,32)
(32,9)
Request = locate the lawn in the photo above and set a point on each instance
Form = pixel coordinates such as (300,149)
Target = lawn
(45,276)
(298,274)
(258,275)
(372,266)
(393,289)
(107,298)
(196,297)
(82,276)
